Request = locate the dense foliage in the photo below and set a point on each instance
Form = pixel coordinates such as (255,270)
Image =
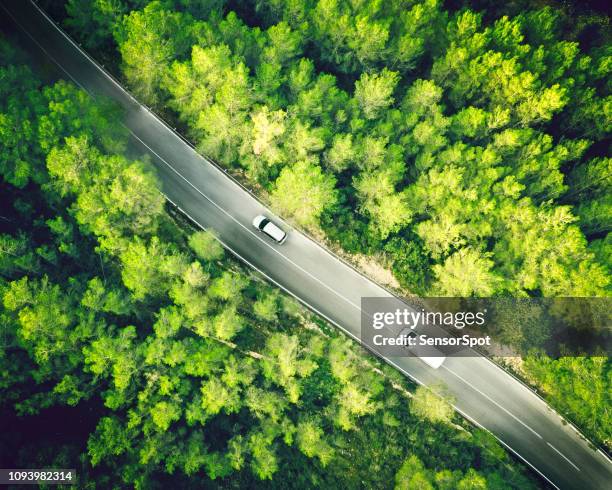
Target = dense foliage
(136,351)
(468,148)
(479,145)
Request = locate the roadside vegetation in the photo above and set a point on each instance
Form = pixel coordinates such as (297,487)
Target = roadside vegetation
(472,155)
(137,351)
(465,148)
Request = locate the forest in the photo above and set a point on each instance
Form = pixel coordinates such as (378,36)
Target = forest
(462,145)
(438,141)
(465,149)
(136,350)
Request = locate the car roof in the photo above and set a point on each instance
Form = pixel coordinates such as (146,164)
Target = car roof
(274,231)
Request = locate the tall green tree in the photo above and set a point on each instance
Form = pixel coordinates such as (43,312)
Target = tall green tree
(304,192)
(147,40)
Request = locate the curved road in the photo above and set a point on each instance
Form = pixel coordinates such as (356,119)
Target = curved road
(484,393)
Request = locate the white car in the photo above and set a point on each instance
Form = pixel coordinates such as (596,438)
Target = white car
(266,226)
(429,355)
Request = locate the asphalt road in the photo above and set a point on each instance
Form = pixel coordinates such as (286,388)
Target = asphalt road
(484,393)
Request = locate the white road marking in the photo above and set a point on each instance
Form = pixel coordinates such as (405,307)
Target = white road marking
(506,446)
(521,382)
(491,400)
(604,455)
(563,456)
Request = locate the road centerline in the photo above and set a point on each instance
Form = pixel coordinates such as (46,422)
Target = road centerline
(491,400)
(563,456)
